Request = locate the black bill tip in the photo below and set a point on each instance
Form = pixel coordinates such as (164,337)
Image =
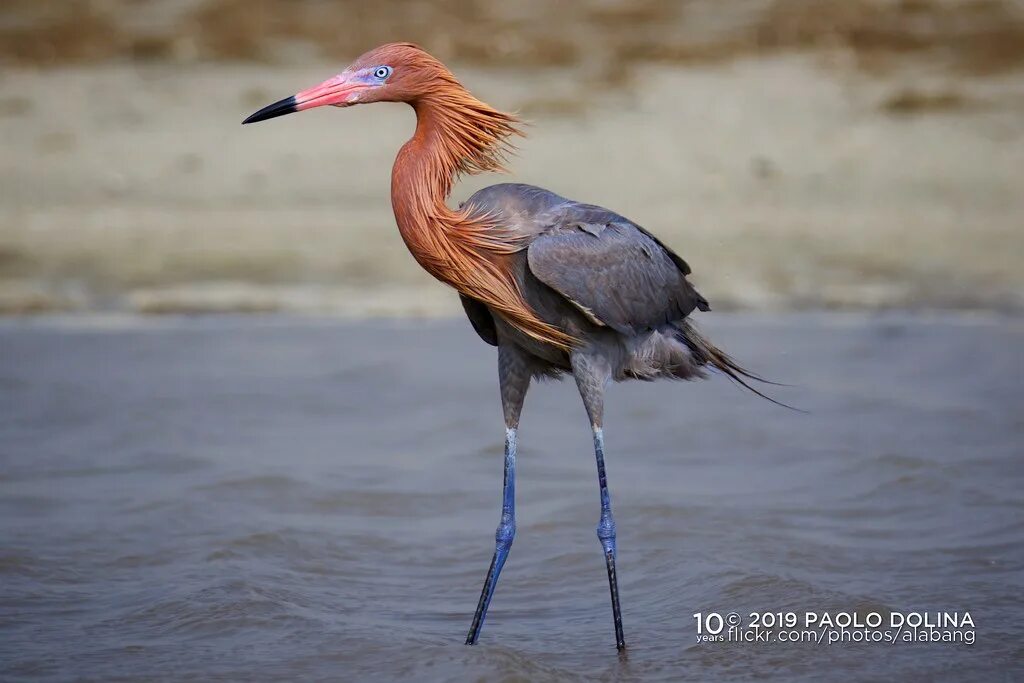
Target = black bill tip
(285,106)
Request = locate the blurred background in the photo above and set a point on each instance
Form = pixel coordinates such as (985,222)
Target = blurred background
(271,497)
(800,154)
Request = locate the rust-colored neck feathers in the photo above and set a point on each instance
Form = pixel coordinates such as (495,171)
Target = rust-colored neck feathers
(455,134)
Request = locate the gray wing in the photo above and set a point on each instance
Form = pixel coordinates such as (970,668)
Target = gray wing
(614,271)
(480,318)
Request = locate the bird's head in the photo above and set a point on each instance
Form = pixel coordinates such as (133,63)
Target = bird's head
(396,72)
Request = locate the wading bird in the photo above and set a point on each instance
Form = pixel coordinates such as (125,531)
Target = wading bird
(556,285)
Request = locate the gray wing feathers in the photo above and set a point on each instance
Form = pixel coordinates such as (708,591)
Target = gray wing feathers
(480,318)
(613,270)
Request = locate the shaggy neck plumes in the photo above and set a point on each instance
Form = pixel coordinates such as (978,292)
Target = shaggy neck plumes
(469,250)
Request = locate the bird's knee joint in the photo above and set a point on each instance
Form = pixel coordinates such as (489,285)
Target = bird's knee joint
(606,529)
(505,534)
(606,534)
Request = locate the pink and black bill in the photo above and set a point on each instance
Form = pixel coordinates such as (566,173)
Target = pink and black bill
(342,90)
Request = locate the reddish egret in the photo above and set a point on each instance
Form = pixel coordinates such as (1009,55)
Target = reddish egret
(558,286)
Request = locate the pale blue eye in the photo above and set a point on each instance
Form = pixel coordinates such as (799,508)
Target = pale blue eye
(382,72)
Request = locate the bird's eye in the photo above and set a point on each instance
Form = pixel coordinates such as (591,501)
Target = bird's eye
(382,72)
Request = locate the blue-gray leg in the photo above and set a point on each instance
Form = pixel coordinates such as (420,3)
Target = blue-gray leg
(606,534)
(592,373)
(514,375)
(502,538)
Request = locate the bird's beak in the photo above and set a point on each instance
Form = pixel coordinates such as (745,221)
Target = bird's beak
(340,91)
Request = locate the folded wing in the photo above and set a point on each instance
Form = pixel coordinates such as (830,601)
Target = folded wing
(611,269)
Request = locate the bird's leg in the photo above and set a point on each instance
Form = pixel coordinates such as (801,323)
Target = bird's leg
(592,374)
(606,534)
(502,538)
(514,376)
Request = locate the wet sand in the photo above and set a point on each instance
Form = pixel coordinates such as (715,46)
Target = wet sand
(283,498)
(785,182)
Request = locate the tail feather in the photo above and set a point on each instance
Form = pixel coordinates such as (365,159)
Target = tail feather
(706,353)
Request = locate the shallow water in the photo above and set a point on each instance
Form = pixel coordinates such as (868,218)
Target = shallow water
(279,499)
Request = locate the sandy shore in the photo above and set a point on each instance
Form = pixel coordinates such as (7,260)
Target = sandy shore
(785,182)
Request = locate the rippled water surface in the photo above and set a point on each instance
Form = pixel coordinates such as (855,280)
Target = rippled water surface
(281,499)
